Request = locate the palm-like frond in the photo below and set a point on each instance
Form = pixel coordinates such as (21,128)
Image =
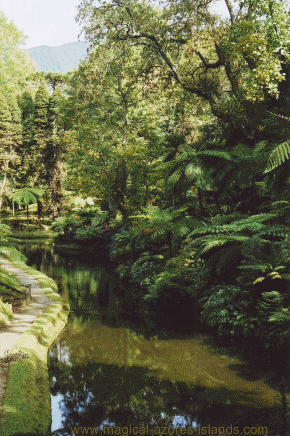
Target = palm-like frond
(27,195)
(279,204)
(259,218)
(252,224)
(251,227)
(228,255)
(209,229)
(5,230)
(149,256)
(279,155)
(276,231)
(175,176)
(211,241)
(220,220)
(215,153)
(259,268)
(197,167)
(193,172)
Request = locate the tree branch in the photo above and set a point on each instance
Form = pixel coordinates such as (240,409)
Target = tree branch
(230,9)
(158,46)
(206,64)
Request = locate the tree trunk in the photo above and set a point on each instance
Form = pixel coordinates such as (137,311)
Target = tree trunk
(39,209)
(27,212)
(3,188)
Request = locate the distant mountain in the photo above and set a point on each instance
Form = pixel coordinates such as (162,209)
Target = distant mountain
(59,59)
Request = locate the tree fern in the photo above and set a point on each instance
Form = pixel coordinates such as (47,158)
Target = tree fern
(27,195)
(279,155)
(241,238)
(252,224)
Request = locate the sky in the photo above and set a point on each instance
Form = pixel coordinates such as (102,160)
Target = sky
(50,22)
(45,22)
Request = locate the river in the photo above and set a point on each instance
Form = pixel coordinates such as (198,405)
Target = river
(106,373)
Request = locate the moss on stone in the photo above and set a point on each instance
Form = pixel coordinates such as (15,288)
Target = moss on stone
(27,408)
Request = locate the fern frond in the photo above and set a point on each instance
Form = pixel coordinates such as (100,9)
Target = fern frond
(186,156)
(259,280)
(279,155)
(259,218)
(183,230)
(174,177)
(274,275)
(225,257)
(260,147)
(277,230)
(210,241)
(250,258)
(280,268)
(226,219)
(192,172)
(253,227)
(280,203)
(242,151)
(205,230)
(216,153)
(262,268)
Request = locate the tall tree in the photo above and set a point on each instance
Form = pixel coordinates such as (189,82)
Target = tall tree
(55,163)
(26,105)
(111,125)
(15,63)
(10,139)
(42,133)
(239,66)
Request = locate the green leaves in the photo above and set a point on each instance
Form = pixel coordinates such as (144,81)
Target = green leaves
(27,195)
(279,155)
(15,63)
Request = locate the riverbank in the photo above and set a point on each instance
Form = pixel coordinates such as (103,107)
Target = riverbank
(26,408)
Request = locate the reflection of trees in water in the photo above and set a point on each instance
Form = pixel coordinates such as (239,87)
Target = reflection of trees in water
(99,393)
(123,396)
(86,286)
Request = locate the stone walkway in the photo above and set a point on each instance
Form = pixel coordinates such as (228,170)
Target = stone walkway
(22,319)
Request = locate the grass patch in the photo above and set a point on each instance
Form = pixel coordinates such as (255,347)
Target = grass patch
(5,313)
(10,290)
(9,281)
(33,234)
(27,408)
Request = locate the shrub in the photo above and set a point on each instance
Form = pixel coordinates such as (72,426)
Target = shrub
(227,308)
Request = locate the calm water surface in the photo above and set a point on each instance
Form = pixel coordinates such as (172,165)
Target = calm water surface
(104,373)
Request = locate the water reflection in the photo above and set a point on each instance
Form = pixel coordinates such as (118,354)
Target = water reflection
(113,376)
(105,374)
(89,288)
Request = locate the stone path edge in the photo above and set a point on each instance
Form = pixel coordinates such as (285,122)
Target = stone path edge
(26,408)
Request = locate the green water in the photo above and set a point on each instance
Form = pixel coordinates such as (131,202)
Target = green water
(106,373)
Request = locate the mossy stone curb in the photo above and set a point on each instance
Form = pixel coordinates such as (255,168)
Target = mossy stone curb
(27,409)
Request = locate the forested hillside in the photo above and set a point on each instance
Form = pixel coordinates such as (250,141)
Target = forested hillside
(59,59)
(171,140)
